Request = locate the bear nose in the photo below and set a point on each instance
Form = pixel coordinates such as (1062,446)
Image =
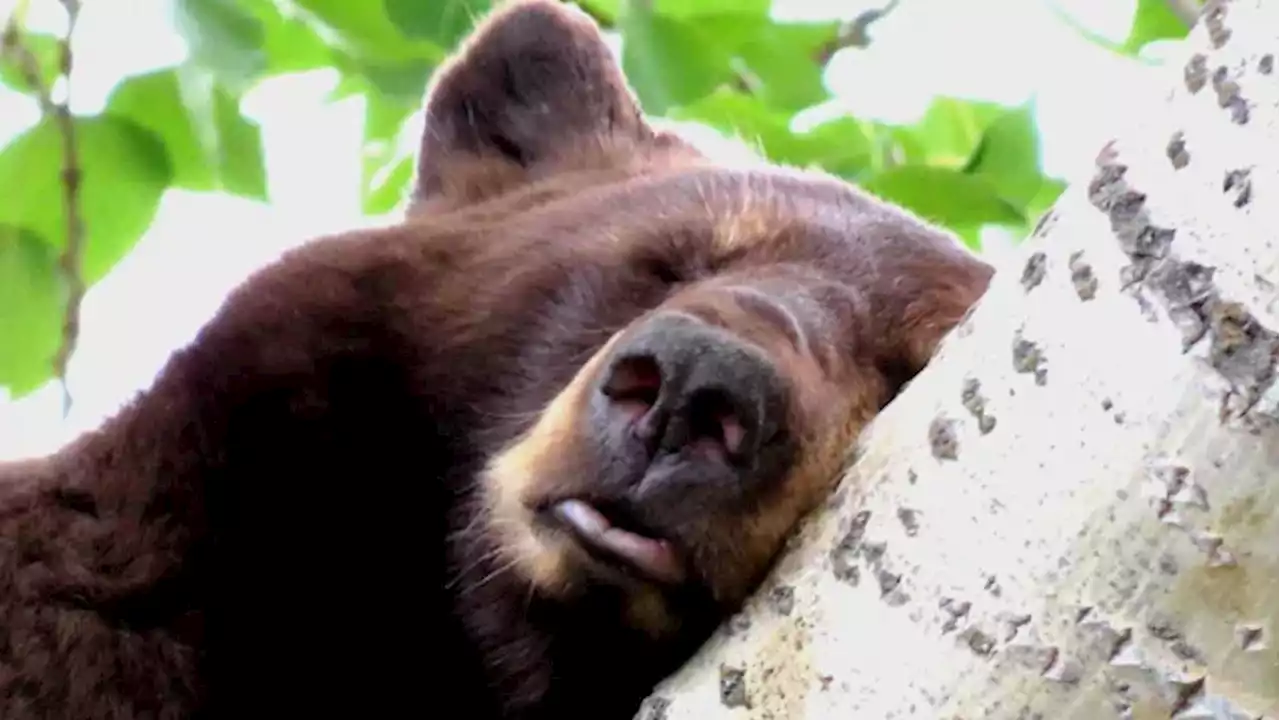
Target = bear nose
(683,385)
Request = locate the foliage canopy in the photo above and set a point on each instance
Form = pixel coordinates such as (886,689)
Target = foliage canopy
(724,63)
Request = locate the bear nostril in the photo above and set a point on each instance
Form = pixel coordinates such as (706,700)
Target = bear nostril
(715,427)
(633,384)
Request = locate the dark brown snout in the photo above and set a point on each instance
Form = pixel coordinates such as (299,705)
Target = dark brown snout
(689,422)
(687,388)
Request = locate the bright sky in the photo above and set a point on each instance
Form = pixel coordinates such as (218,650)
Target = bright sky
(201,245)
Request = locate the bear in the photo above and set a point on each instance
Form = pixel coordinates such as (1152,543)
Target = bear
(515,455)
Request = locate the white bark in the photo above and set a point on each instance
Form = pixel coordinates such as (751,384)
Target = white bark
(1104,541)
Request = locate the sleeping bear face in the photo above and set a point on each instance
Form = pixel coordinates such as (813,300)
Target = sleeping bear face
(686,449)
(756,320)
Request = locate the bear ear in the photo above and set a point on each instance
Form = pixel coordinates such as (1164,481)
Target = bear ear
(533,85)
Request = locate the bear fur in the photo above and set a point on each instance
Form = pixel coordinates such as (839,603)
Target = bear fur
(329,501)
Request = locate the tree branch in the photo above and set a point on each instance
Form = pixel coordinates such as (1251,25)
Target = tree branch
(71,177)
(856,32)
(59,112)
(1049,521)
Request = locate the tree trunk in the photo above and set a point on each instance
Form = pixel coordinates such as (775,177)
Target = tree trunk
(1072,513)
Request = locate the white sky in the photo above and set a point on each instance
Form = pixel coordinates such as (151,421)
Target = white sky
(201,245)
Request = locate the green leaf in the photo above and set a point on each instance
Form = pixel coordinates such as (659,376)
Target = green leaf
(362,29)
(787,59)
(291,44)
(388,159)
(944,196)
(747,118)
(695,9)
(605,11)
(241,165)
(677,58)
(970,235)
(210,145)
(839,145)
(671,62)
(47,52)
(951,129)
(1008,155)
(223,37)
(389,151)
(31,301)
(124,171)
(385,189)
(1046,195)
(1153,20)
(897,145)
(1050,189)
(443,22)
(405,82)
(842,146)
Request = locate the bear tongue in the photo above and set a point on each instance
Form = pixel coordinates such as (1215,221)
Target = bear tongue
(654,557)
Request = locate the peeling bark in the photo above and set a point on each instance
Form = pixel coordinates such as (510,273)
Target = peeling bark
(1072,513)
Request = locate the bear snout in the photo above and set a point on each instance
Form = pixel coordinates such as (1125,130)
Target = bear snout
(681,388)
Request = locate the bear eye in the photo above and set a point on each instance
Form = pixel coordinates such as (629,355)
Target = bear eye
(664,271)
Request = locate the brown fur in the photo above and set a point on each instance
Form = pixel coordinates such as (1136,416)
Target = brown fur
(326,501)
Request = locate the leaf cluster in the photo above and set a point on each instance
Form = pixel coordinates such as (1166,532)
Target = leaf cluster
(725,63)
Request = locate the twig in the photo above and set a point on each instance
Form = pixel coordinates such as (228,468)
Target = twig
(856,33)
(71,178)
(12,45)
